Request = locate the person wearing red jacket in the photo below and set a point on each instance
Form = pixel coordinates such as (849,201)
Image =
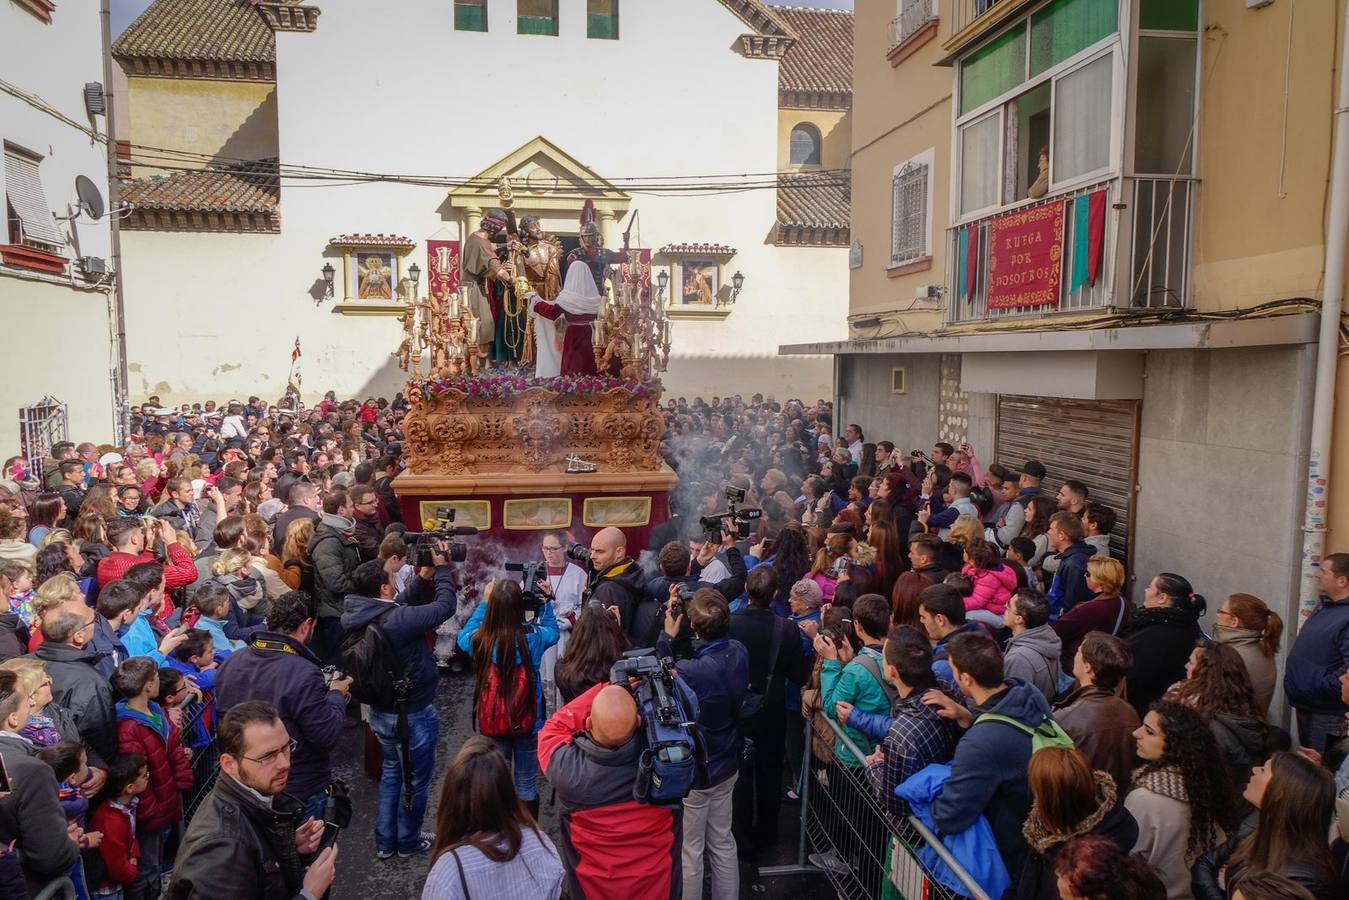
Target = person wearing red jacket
(128,540)
(115,819)
(144,728)
(613,847)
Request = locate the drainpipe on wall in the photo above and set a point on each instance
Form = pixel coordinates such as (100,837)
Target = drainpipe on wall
(1327,351)
(120,378)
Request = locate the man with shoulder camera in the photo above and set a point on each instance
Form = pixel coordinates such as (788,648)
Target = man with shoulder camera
(249,839)
(717,671)
(278,667)
(616,581)
(612,845)
(408,729)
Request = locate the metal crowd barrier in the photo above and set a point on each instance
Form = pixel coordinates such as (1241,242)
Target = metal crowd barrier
(60,889)
(205,759)
(861,846)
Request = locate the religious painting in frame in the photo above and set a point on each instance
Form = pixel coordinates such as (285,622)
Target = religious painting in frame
(699,280)
(374,275)
(539,514)
(616,512)
(472,513)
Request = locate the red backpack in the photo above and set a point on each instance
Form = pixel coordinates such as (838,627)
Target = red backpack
(495,718)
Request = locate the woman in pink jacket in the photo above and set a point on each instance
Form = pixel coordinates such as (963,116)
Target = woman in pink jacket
(994,583)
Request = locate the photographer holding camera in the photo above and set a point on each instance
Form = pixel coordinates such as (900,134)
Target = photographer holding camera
(277,666)
(677,566)
(397,677)
(615,580)
(613,845)
(718,672)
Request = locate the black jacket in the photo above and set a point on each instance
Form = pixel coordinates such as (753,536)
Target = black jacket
(279,669)
(1161,639)
(406,620)
(1038,880)
(648,618)
(753,626)
(1204,874)
(718,674)
(13,636)
(31,816)
(283,523)
(335,558)
(1244,744)
(622,585)
(236,847)
(86,694)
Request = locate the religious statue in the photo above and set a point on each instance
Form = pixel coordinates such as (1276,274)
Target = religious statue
(480,267)
(591,252)
(540,273)
(375,282)
(580,301)
(410,351)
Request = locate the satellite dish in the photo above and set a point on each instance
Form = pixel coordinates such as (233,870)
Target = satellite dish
(91,199)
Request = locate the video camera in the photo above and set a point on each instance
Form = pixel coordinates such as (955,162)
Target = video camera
(669,713)
(740,516)
(442,529)
(531,573)
(578,553)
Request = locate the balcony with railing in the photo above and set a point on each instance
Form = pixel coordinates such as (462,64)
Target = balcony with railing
(1145,254)
(914,16)
(969,17)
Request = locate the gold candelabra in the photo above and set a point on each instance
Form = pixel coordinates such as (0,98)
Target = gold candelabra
(632,330)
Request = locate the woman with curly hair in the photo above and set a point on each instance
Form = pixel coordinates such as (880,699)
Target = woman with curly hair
(1068,798)
(101,499)
(1218,687)
(791,561)
(1180,796)
(1293,799)
(1092,867)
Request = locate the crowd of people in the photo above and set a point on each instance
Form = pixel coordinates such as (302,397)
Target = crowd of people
(196,616)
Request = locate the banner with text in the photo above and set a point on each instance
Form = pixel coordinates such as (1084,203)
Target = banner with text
(442,268)
(1025,257)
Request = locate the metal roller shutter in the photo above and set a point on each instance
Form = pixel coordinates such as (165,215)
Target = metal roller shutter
(1092,441)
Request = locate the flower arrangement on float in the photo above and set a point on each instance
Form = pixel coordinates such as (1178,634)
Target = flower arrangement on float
(503,384)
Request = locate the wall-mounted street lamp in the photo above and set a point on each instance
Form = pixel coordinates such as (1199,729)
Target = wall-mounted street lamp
(329,273)
(737,282)
(662,282)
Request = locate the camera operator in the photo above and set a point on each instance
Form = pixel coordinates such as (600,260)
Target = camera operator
(407,730)
(248,838)
(615,580)
(278,667)
(614,846)
(718,673)
(679,566)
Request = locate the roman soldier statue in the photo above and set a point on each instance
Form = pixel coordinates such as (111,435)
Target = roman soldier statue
(480,265)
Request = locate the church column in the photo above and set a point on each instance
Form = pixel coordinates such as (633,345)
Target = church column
(608,228)
(472,219)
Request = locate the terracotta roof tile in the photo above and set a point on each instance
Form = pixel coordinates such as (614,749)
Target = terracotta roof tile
(215,30)
(820,62)
(816,203)
(684,249)
(254,187)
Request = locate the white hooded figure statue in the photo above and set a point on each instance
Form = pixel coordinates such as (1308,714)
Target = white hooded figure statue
(579,300)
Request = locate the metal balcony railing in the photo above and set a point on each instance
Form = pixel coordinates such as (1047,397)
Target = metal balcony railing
(1160,257)
(963,12)
(913,15)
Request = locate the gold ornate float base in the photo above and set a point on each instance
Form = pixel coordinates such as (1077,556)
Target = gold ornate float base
(453,433)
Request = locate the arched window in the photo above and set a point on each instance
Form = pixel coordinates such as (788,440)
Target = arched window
(805,145)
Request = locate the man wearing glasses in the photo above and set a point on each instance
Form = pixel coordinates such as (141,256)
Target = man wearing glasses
(68,651)
(365,510)
(246,840)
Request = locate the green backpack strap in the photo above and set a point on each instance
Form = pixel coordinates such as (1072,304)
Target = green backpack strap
(1047,734)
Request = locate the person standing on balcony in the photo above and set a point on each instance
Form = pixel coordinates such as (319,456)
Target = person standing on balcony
(1040,186)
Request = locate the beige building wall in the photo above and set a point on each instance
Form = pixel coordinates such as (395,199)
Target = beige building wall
(216,118)
(899,112)
(69,358)
(835,127)
(1264,151)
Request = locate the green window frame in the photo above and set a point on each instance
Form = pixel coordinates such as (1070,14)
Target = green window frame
(470,15)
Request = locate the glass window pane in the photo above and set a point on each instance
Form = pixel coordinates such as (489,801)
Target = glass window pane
(1065,27)
(1082,117)
(470,15)
(1169,15)
(602,19)
(805,148)
(1165,105)
(979,164)
(993,69)
(536,17)
(1027,132)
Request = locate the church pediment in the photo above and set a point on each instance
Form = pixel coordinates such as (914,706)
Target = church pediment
(543,177)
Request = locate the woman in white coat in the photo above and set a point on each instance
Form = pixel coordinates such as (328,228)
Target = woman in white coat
(565,581)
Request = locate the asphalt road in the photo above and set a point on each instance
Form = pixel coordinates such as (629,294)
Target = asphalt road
(360,876)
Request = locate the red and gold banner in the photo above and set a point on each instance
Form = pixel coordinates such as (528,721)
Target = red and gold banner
(1025,257)
(636,269)
(442,268)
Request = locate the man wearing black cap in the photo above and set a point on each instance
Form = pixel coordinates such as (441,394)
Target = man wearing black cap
(479,263)
(1032,473)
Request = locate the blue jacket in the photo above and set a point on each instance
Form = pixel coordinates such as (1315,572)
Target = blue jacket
(988,772)
(973,848)
(109,644)
(279,669)
(718,673)
(1318,656)
(1069,587)
(539,636)
(940,666)
(141,639)
(409,617)
(205,679)
(216,629)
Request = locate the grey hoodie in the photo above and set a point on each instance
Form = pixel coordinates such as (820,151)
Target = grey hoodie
(1033,655)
